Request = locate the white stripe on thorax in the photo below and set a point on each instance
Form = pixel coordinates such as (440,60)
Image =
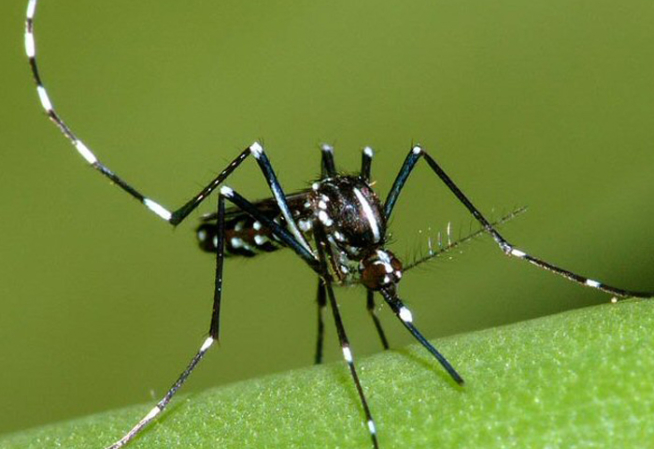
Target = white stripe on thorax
(370,215)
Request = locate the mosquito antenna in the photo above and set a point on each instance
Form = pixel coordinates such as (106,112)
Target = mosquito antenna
(453,244)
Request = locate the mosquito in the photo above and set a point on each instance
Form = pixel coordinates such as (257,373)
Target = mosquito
(338,227)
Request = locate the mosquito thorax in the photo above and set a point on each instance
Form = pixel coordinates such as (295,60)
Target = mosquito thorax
(380,269)
(350,213)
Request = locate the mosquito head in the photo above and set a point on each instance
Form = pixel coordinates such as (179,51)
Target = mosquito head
(380,269)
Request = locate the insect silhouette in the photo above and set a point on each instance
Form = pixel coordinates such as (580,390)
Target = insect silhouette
(338,227)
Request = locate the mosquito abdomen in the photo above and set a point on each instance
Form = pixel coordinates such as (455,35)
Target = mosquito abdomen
(243,237)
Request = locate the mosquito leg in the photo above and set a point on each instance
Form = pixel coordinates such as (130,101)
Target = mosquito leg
(400,180)
(161,405)
(85,151)
(342,336)
(349,358)
(405,316)
(214,329)
(278,230)
(366,161)
(409,163)
(327,166)
(322,304)
(370,305)
(173,217)
(213,334)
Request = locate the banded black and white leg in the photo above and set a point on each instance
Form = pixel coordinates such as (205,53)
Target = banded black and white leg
(322,305)
(327,164)
(173,217)
(321,300)
(208,342)
(321,245)
(406,317)
(366,163)
(280,233)
(410,162)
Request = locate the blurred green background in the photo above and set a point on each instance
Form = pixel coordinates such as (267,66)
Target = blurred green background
(544,104)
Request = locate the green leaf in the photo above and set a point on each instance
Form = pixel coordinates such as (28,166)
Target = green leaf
(578,379)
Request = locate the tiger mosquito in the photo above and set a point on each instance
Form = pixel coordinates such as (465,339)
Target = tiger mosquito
(338,227)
